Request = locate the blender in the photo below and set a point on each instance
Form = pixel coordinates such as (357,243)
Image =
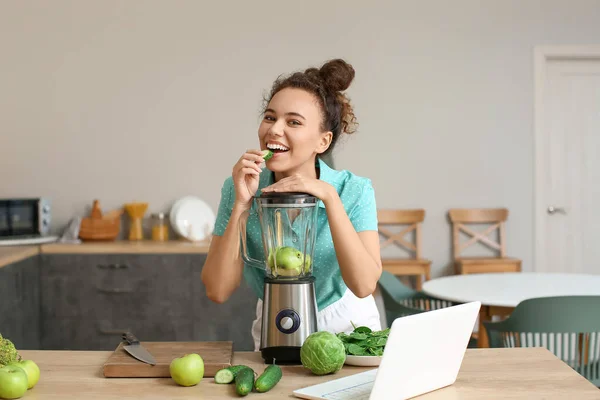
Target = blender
(289,311)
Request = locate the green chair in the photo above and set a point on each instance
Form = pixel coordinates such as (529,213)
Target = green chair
(568,326)
(399,300)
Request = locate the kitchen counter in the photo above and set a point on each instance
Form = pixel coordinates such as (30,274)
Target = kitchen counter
(128,247)
(11,255)
(72,299)
(530,373)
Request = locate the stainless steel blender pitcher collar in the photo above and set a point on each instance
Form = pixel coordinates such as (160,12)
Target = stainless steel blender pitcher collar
(292,199)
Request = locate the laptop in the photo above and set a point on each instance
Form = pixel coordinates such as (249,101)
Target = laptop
(423,353)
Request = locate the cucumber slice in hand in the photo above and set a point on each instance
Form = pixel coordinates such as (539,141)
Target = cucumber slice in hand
(267,154)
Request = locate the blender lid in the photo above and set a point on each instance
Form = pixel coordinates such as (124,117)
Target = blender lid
(289,198)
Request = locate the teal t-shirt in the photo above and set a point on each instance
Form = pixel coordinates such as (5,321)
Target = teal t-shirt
(358,197)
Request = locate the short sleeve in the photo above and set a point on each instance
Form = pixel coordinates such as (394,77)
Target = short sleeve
(224,212)
(364,214)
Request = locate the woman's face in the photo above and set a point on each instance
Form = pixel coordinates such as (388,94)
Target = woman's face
(291,127)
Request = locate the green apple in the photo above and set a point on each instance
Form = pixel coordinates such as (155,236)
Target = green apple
(31,369)
(187,370)
(289,272)
(289,258)
(13,382)
(289,261)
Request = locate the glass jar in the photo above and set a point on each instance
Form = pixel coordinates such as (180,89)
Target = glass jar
(160,229)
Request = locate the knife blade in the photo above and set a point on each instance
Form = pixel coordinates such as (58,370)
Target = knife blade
(135,349)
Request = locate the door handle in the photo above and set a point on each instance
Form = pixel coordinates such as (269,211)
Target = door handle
(554,210)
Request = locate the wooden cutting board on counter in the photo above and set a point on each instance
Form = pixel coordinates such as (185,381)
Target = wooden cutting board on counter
(120,364)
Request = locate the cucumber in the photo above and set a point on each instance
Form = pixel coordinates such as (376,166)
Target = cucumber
(268,379)
(244,381)
(224,376)
(267,154)
(235,369)
(227,375)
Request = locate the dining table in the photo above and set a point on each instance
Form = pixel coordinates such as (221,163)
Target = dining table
(500,293)
(515,374)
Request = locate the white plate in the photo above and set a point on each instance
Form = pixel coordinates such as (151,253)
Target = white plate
(363,361)
(173,212)
(192,218)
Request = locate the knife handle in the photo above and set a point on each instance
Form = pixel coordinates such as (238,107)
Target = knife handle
(130,338)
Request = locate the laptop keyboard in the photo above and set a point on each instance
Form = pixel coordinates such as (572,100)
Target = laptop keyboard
(357,392)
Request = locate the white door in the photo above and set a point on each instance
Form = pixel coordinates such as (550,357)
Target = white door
(567,145)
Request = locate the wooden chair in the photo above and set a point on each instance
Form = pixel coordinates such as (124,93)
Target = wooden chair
(474,265)
(409,266)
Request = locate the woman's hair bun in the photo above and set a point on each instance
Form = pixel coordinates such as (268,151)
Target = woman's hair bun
(327,85)
(337,75)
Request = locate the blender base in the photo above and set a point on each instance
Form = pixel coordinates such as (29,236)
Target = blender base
(281,355)
(289,317)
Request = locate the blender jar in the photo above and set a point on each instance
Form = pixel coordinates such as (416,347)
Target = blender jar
(288,228)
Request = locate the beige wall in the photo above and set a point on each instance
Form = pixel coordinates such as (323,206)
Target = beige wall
(152,100)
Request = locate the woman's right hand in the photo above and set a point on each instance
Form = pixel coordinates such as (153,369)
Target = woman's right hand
(246,173)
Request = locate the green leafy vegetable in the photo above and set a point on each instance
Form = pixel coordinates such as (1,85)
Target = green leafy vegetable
(364,342)
(322,353)
(362,329)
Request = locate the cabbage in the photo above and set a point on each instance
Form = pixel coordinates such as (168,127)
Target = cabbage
(323,353)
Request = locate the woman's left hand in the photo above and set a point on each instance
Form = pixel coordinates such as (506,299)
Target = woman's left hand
(298,183)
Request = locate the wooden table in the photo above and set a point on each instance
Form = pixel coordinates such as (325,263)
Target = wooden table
(532,373)
(500,293)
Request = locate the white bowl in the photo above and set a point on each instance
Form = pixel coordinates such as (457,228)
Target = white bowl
(363,361)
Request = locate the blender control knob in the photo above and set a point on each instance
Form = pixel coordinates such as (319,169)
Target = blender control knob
(287,321)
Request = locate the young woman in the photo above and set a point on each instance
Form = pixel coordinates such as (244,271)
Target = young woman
(305,115)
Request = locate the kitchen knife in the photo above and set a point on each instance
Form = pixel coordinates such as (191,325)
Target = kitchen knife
(134,348)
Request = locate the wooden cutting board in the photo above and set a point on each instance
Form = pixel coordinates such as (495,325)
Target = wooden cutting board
(120,364)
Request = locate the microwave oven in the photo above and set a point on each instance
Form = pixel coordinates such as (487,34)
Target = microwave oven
(25,218)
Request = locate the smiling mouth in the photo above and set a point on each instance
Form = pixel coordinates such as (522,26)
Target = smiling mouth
(277,148)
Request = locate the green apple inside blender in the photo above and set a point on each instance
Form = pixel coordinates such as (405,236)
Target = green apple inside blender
(289,260)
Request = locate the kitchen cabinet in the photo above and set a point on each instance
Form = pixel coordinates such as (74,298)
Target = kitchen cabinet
(88,300)
(20,303)
(231,320)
